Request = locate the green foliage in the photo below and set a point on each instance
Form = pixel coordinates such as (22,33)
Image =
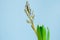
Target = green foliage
(42,33)
(48,34)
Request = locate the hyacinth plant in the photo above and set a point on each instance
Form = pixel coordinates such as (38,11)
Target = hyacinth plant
(41,32)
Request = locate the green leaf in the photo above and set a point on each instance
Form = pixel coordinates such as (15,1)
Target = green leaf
(41,32)
(48,34)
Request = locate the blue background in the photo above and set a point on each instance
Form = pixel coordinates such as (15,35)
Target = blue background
(13,24)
